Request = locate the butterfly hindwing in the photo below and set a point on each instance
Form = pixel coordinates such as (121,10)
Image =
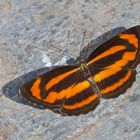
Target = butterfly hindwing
(117,83)
(63,90)
(113,82)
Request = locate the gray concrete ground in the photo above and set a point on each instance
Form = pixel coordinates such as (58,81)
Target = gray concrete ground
(32,35)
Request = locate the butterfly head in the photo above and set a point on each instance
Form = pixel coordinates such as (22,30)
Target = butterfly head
(79,61)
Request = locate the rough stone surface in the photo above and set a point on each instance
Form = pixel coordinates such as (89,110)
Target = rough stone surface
(33,34)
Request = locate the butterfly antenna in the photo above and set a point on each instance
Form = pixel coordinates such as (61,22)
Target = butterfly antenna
(67,44)
(68,36)
(66,48)
(83,39)
(81,56)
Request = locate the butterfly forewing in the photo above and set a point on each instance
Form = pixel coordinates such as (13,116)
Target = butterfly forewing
(122,51)
(64,90)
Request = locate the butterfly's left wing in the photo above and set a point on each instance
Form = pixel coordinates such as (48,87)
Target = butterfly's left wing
(63,90)
(113,63)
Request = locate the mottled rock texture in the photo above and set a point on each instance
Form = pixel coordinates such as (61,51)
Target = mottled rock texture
(33,34)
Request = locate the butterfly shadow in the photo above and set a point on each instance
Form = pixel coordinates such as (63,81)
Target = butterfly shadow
(11,89)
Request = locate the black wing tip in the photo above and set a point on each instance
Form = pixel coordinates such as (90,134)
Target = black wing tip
(32,101)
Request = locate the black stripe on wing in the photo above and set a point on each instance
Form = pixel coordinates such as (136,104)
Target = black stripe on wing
(117,83)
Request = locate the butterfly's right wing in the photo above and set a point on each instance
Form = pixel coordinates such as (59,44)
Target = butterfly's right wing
(63,90)
(113,63)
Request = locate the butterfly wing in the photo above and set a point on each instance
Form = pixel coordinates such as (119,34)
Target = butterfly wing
(122,51)
(113,63)
(63,90)
(113,82)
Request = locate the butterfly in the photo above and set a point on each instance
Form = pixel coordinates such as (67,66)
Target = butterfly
(107,73)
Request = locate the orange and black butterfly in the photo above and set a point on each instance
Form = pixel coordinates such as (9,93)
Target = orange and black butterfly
(108,72)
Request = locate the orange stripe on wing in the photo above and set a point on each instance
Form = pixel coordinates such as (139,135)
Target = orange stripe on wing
(114,68)
(57,79)
(131,39)
(35,89)
(117,84)
(82,103)
(112,50)
(67,93)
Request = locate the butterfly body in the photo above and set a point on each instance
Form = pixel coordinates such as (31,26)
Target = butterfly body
(107,73)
